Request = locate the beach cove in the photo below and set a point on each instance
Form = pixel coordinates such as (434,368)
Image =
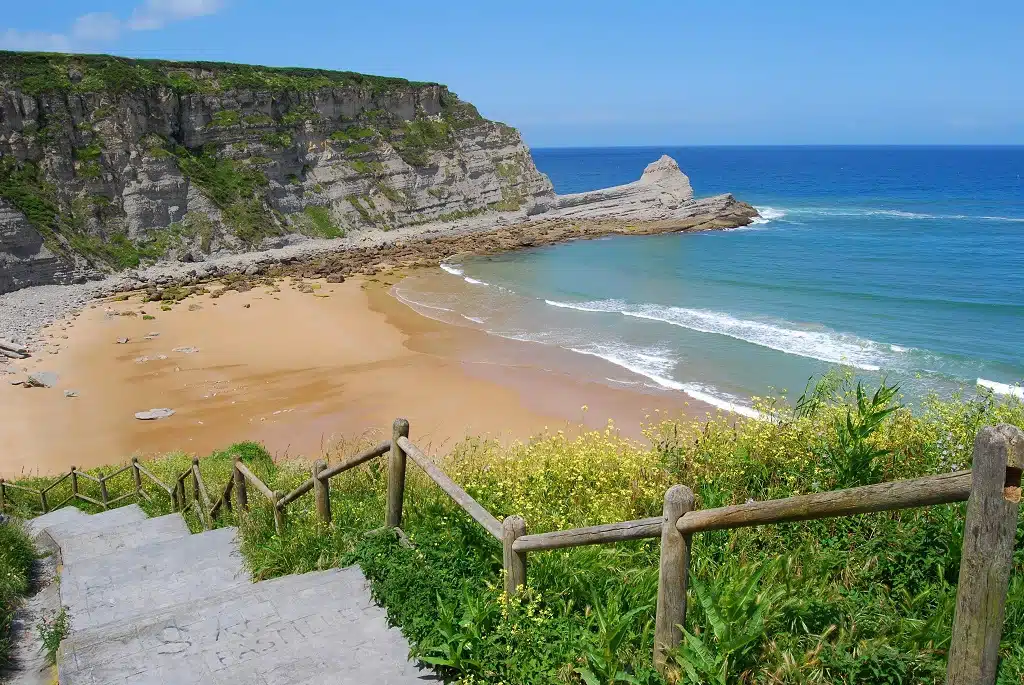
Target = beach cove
(306,367)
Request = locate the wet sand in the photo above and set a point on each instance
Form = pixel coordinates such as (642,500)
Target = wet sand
(306,374)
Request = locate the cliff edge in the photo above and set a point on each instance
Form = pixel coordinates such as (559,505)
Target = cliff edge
(109,163)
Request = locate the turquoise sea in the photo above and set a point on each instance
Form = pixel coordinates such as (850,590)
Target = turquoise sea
(903,262)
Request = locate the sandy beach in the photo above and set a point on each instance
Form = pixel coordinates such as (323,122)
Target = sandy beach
(306,373)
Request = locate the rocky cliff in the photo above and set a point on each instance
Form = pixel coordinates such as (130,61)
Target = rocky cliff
(108,163)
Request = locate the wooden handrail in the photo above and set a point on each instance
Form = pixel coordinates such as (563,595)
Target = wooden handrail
(460,496)
(260,485)
(116,473)
(203,496)
(944,488)
(83,474)
(591,535)
(333,471)
(148,474)
(225,497)
(8,484)
(55,483)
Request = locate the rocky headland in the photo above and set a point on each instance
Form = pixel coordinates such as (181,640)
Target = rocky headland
(121,174)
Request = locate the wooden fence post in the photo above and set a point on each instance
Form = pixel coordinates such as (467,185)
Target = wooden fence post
(104,495)
(513,528)
(241,496)
(3,496)
(180,489)
(396,475)
(987,557)
(673,577)
(136,475)
(322,492)
(278,512)
(44,502)
(74,483)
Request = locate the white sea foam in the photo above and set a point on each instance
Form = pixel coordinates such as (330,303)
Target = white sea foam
(1002,388)
(899,348)
(614,306)
(767,214)
(473,281)
(413,303)
(825,345)
(474,319)
(655,364)
(453,270)
(889,213)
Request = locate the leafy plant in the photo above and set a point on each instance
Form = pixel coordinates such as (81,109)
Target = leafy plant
(735,612)
(853,457)
(604,654)
(53,628)
(17,554)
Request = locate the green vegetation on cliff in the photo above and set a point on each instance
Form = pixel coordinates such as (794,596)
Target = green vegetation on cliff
(851,600)
(36,73)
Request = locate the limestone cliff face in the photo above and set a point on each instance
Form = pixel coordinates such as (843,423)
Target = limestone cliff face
(108,162)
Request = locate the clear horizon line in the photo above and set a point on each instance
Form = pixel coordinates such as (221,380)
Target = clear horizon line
(780,145)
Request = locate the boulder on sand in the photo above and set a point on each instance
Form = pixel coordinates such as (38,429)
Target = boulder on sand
(154,414)
(41,379)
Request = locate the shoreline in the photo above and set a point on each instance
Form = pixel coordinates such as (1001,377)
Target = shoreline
(27,311)
(305,367)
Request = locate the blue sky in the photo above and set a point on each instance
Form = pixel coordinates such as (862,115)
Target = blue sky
(616,73)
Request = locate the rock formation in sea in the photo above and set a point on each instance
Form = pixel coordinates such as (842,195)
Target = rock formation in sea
(109,163)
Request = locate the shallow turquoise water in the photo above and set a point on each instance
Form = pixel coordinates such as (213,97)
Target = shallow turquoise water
(899,262)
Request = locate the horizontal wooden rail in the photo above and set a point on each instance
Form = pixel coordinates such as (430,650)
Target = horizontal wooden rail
(333,471)
(460,496)
(945,488)
(591,535)
(83,474)
(149,474)
(55,483)
(118,472)
(23,488)
(260,485)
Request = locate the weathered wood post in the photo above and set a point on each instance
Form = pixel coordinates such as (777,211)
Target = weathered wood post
(74,483)
(136,475)
(104,495)
(322,491)
(195,482)
(241,496)
(396,475)
(673,577)
(180,490)
(3,495)
(513,528)
(44,502)
(987,557)
(278,512)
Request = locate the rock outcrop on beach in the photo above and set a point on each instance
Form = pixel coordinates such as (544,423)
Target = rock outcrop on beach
(108,164)
(663,193)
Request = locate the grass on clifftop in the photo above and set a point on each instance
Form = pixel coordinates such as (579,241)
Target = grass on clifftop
(36,73)
(16,556)
(851,600)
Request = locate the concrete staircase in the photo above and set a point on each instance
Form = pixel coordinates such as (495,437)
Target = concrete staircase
(151,603)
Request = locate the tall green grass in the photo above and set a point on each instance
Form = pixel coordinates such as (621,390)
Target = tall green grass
(16,556)
(850,600)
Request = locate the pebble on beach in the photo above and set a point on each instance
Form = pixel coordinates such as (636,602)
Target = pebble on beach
(154,414)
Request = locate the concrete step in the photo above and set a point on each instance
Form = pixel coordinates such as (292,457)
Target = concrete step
(97,522)
(128,536)
(140,580)
(54,518)
(314,628)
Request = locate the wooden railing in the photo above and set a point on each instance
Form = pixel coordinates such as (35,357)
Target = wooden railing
(992,490)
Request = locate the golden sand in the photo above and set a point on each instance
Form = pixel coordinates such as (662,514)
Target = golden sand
(299,372)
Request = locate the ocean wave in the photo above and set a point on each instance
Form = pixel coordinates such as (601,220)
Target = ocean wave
(766,215)
(824,345)
(453,270)
(614,306)
(474,319)
(889,213)
(473,281)
(655,364)
(1002,388)
(413,303)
